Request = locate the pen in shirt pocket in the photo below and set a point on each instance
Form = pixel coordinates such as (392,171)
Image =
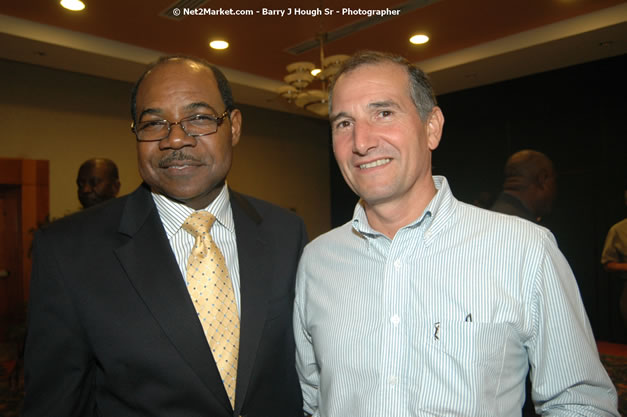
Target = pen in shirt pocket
(436,326)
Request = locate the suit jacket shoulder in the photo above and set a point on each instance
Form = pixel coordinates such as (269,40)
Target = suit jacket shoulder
(262,211)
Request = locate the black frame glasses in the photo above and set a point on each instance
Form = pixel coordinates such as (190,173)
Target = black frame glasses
(204,123)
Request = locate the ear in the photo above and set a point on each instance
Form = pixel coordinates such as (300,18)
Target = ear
(236,126)
(435,125)
(116,187)
(542,178)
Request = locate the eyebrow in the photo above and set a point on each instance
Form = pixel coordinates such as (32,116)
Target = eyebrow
(149,111)
(199,105)
(373,105)
(386,103)
(334,117)
(191,106)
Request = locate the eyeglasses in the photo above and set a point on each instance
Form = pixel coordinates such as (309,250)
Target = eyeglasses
(194,126)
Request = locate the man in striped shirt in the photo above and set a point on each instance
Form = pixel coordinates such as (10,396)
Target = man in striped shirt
(422,305)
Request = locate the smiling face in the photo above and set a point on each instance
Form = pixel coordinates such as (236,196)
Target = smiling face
(381,145)
(186,169)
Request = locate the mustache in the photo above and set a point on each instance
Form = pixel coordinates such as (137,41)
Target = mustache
(177,156)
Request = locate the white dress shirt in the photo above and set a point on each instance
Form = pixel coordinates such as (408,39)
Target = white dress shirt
(173,216)
(444,320)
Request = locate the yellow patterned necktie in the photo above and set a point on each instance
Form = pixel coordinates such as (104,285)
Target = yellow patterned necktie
(211,290)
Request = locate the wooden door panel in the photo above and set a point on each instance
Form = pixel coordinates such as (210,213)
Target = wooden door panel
(11,294)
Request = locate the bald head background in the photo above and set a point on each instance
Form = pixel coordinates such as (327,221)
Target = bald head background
(97,181)
(530,176)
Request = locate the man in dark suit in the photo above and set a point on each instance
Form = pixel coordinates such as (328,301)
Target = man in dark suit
(113,330)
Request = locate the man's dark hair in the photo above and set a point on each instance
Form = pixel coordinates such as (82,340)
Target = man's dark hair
(223,84)
(421,91)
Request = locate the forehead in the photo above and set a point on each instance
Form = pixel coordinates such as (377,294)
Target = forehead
(97,169)
(372,82)
(178,83)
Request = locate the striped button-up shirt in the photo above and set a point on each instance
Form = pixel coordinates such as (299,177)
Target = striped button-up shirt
(444,320)
(173,216)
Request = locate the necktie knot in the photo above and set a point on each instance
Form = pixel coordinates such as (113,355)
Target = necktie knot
(199,223)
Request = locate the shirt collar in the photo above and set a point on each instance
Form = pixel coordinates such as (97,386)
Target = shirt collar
(434,217)
(173,214)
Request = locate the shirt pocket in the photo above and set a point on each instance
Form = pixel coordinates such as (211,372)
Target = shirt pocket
(463,366)
(470,343)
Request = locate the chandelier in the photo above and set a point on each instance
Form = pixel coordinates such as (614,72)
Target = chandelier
(302,75)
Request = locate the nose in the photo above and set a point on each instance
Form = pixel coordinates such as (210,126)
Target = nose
(177,138)
(364,139)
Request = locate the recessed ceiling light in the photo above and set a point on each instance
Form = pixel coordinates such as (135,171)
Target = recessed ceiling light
(419,39)
(74,5)
(219,44)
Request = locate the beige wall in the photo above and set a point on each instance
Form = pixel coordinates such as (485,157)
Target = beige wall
(67,118)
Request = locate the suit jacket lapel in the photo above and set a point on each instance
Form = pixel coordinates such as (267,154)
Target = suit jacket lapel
(255,273)
(149,263)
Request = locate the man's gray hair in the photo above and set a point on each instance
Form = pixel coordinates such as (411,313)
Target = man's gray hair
(420,88)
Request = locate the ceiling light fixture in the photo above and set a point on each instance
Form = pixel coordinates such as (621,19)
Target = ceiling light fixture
(419,39)
(302,74)
(219,44)
(74,5)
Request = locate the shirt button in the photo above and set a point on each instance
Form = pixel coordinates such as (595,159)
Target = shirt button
(393,380)
(395,320)
(397,264)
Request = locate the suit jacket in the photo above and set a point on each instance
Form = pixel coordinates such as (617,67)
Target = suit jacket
(508,204)
(112,330)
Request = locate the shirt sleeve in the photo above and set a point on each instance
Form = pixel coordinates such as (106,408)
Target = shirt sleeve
(566,372)
(306,365)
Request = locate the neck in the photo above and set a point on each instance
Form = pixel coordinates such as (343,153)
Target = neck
(389,217)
